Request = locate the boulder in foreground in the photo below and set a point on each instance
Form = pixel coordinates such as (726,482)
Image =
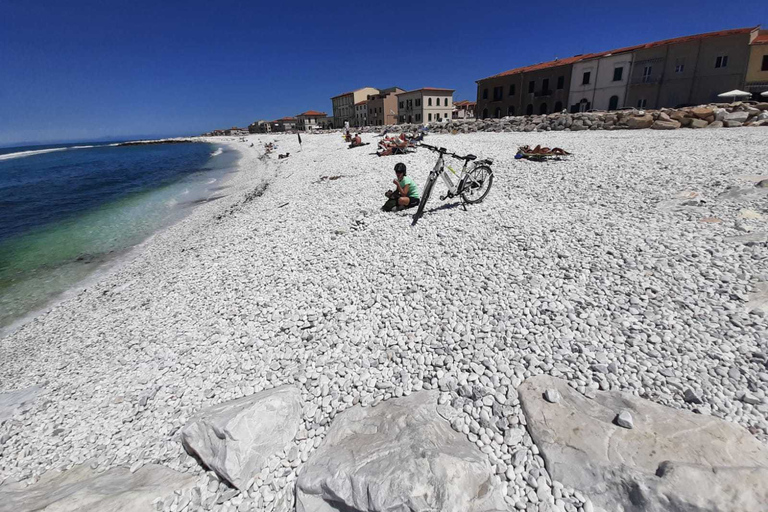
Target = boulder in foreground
(81,488)
(671,460)
(400,455)
(235,438)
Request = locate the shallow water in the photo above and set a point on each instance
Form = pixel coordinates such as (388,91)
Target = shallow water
(67,211)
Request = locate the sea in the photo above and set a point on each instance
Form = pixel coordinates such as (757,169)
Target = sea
(70,211)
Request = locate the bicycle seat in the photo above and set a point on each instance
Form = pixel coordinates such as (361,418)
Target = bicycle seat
(469,157)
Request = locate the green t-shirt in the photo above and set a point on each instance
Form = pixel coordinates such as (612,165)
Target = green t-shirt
(412,190)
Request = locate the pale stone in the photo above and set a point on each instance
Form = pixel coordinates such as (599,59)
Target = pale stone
(400,455)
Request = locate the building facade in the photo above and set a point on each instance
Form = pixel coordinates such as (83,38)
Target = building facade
(687,70)
(464,109)
(284,124)
(538,89)
(260,126)
(311,120)
(382,107)
(425,105)
(757,68)
(600,83)
(361,113)
(344,105)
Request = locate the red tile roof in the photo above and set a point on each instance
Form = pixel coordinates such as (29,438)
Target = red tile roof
(313,113)
(761,39)
(285,119)
(435,89)
(463,103)
(655,44)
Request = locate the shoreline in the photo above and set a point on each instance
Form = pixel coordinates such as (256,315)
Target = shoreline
(567,268)
(109,263)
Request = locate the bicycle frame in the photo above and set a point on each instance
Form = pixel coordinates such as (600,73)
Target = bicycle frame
(439,170)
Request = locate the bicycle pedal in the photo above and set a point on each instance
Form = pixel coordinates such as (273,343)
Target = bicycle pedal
(443,198)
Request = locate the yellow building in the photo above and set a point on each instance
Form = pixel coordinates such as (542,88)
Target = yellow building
(757,67)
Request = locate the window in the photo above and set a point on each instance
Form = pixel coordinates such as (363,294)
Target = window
(647,73)
(418,102)
(429,117)
(545,85)
(679,65)
(765,63)
(641,103)
(512,90)
(401,104)
(613,103)
(560,82)
(618,73)
(585,78)
(531,86)
(558,107)
(485,113)
(721,61)
(497,92)
(529,110)
(445,102)
(511,110)
(402,119)
(543,109)
(498,113)
(418,117)
(485,94)
(429,102)
(437,116)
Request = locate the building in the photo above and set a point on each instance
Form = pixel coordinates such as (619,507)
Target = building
(344,105)
(757,68)
(284,124)
(424,105)
(361,113)
(689,70)
(537,89)
(600,82)
(382,107)
(260,126)
(464,109)
(686,70)
(311,120)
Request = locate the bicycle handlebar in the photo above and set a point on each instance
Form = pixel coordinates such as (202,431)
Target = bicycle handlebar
(444,151)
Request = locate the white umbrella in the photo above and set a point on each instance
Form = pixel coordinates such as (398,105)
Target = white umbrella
(765,94)
(734,94)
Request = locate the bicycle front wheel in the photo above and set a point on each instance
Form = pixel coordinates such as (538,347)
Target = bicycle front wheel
(424,198)
(476,184)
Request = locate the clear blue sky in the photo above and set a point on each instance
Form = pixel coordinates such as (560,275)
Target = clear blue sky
(82,70)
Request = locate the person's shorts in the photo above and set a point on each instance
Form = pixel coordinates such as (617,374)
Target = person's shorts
(413,201)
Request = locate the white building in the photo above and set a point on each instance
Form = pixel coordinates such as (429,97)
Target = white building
(601,83)
(424,105)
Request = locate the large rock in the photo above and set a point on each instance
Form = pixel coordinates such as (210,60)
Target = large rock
(737,116)
(715,124)
(81,488)
(702,112)
(698,123)
(398,456)
(665,125)
(12,402)
(672,460)
(235,438)
(638,122)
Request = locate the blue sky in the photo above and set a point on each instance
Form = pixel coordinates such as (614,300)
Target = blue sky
(84,70)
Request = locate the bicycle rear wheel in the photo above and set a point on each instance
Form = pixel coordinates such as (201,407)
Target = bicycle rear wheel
(476,184)
(424,198)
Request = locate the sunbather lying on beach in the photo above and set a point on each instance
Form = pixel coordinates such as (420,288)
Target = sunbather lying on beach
(405,195)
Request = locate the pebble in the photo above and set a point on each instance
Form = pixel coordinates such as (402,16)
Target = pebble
(624,419)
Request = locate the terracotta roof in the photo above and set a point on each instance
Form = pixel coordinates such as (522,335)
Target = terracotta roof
(361,102)
(463,103)
(761,39)
(285,119)
(313,113)
(435,89)
(655,44)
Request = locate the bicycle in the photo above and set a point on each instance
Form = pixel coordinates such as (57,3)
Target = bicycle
(473,185)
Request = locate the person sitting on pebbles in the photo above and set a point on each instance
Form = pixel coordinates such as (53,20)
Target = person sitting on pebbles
(405,195)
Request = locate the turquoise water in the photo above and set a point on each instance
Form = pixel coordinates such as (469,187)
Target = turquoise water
(68,212)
